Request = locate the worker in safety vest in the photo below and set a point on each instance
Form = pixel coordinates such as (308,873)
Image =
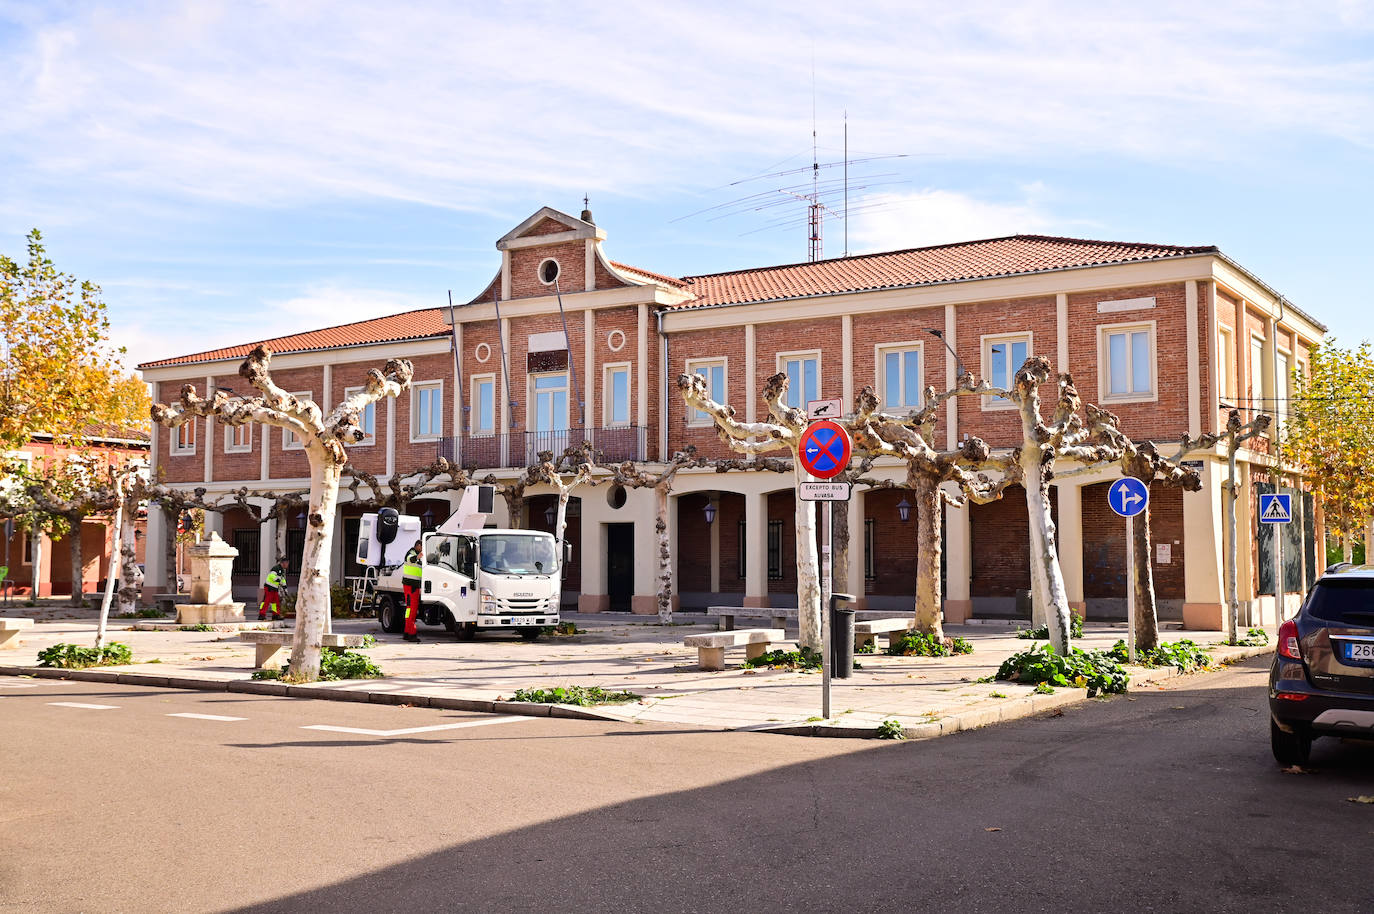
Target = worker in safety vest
(273,588)
(411,571)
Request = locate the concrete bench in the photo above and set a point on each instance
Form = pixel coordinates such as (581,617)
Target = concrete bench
(9,632)
(711,648)
(168,602)
(271,644)
(779,616)
(864,631)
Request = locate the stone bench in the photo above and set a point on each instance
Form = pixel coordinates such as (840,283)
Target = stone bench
(9,632)
(779,616)
(711,648)
(271,644)
(168,602)
(864,631)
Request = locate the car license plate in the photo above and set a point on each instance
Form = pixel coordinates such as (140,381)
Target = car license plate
(1360,651)
(533,620)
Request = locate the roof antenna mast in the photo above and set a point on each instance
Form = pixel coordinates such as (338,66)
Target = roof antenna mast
(814,237)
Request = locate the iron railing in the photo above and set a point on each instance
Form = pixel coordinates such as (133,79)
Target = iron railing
(519,449)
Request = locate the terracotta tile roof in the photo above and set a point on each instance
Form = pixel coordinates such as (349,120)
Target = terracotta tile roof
(649,274)
(412,325)
(1016,254)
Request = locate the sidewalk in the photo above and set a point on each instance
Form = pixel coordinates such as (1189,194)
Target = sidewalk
(929,696)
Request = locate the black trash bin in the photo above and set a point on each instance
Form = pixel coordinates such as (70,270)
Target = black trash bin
(841,642)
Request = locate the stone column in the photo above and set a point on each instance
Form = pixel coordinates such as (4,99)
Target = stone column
(1071,543)
(1204,546)
(594,597)
(154,551)
(958,565)
(756,549)
(858,586)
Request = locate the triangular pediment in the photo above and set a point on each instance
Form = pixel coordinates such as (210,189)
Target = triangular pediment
(547,225)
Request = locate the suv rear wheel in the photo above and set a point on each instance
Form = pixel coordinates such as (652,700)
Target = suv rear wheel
(1290,748)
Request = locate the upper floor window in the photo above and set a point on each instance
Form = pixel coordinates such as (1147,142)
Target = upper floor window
(426,410)
(1225,355)
(1003,356)
(1127,361)
(483,405)
(238,438)
(184,437)
(367,420)
(289,440)
(713,370)
(1258,383)
(899,373)
(803,371)
(616,395)
(1281,364)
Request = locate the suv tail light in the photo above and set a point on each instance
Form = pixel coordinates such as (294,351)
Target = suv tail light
(1288,641)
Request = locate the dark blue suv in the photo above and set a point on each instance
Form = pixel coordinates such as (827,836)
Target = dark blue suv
(1322,679)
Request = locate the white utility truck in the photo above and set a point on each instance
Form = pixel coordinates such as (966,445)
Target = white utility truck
(474,579)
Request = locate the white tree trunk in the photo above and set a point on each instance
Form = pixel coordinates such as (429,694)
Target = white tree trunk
(129,586)
(1046,577)
(78,561)
(312,591)
(36,580)
(1348,547)
(808,565)
(928,549)
(116,549)
(665,551)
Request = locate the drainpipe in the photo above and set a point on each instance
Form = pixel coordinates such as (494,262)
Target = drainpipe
(667,391)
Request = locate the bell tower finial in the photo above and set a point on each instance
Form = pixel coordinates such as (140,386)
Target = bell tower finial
(586,210)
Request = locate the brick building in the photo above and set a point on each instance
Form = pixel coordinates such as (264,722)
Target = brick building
(566,345)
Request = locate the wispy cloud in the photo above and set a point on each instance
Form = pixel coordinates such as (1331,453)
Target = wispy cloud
(896,220)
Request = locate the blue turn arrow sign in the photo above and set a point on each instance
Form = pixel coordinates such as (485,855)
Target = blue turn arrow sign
(1128,496)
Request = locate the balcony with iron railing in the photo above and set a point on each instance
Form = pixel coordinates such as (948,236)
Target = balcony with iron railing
(520,449)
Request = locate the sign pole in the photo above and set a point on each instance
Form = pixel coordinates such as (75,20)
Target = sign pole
(826,633)
(1278,571)
(1130,589)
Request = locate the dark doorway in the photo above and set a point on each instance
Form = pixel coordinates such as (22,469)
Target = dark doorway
(620,565)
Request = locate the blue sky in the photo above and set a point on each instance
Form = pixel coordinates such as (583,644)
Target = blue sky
(233,171)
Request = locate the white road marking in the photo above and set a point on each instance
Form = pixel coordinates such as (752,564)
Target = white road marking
(206,716)
(361,732)
(18,685)
(77,704)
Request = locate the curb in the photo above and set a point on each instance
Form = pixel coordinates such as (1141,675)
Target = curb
(1004,711)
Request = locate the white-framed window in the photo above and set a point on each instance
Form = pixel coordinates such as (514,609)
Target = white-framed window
(1225,356)
(899,371)
(713,370)
(1259,384)
(482,414)
(803,370)
(426,410)
(615,396)
(184,438)
(289,440)
(367,419)
(238,439)
(1281,362)
(1003,355)
(1126,361)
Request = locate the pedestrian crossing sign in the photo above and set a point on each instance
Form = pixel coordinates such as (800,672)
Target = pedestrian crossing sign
(1276,508)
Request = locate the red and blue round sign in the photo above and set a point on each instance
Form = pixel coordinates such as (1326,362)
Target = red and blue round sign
(824,449)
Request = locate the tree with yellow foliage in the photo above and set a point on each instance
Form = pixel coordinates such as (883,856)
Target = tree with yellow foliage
(59,375)
(1330,434)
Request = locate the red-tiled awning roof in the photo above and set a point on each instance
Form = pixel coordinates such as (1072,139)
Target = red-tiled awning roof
(412,325)
(1009,256)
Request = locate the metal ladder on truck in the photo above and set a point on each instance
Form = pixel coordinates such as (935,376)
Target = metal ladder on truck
(363,589)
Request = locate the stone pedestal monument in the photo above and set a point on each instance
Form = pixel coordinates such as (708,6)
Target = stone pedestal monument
(212,594)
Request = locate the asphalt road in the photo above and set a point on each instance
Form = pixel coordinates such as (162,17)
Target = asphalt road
(1167,802)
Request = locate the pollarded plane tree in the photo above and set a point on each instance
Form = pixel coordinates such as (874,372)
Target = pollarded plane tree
(1065,436)
(633,477)
(54,497)
(908,438)
(572,469)
(323,438)
(783,433)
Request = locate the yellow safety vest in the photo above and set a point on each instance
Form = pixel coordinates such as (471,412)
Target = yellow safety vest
(411,568)
(276,580)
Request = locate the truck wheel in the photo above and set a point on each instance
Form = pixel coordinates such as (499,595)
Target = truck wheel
(448,621)
(467,631)
(531,634)
(389,614)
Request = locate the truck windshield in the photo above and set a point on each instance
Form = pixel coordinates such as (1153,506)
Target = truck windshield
(523,554)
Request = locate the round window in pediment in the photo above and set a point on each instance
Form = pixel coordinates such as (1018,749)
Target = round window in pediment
(548,271)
